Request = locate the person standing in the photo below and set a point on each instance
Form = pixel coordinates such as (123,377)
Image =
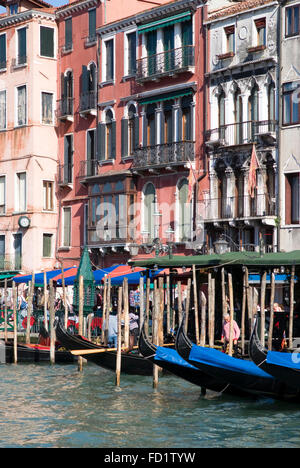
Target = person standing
(226,331)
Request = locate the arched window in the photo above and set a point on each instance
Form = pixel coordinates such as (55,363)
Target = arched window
(108,134)
(253,112)
(168,122)
(186,118)
(184,211)
(221,114)
(131,129)
(67,93)
(271,106)
(151,127)
(149,209)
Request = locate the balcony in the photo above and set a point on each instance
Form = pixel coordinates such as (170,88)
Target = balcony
(166,63)
(88,103)
(240,207)
(65,109)
(19,61)
(163,156)
(65,175)
(88,168)
(242,133)
(10,262)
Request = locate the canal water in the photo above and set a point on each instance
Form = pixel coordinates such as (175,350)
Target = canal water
(56,406)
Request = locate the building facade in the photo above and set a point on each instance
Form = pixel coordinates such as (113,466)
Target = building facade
(243,91)
(28,214)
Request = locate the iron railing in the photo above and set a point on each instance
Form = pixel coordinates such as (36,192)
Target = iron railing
(65,107)
(241,132)
(237,207)
(168,62)
(174,153)
(88,168)
(65,174)
(88,101)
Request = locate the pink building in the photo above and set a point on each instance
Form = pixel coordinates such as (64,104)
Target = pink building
(28,140)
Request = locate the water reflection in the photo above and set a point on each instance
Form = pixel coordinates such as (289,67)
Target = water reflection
(56,406)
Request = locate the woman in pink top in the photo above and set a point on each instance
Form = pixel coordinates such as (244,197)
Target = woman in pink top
(226,330)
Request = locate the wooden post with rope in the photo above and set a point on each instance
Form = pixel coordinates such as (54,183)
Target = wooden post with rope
(147,306)
(272,297)
(168,304)
(231,305)
(51,322)
(203,319)
(187,304)
(126,313)
(119,339)
(15,311)
(262,307)
(291,316)
(80,317)
(179,302)
(5,310)
(155,315)
(196,304)
(45,301)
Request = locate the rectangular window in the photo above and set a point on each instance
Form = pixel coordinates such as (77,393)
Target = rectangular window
(22,46)
(47,108)
(48,195)
(2,110)
(47,245)
(68,159)
(21,106)
(18,251)
(2,51)
(66,227)
(291,103)
(2,194)
(21,190)
(292,202)
(131,53)
(2,252)
(46,41)
(230,39)
(109,60)
(92,25)
(260,25)
(68,34)
(292,21)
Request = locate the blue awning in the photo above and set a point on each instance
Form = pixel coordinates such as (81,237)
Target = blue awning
(39,277)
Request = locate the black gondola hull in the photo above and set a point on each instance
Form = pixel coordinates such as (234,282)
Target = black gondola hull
(131,363)
(33,355)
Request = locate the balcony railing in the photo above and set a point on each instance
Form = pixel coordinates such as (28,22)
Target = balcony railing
(65,108)
(88,168)
(165,63)
(240,133)
(168,154)
(65,174)
(88,101)
(10,262)
(215,209)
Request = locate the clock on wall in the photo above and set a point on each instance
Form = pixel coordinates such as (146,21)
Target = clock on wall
(24,222)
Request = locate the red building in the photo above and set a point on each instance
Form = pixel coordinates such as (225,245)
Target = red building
(131,129)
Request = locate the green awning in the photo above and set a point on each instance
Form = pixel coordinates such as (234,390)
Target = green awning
(250,259)
(6,275)
(164,22)
(166,96)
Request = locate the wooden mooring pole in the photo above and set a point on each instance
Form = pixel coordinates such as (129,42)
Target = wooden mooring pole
(291,317)
(272,297)
(45,301)
(196,305)
(262,307)
(119,339)
(5,310)
(231,305)
(14,292)
(30,307)
(51,322)
(80,318)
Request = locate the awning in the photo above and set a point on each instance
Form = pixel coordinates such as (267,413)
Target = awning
(166,96)
(164,22)
(6,275)
(39,277)
(250,259)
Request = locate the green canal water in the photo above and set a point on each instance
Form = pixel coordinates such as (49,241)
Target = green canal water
(56,406)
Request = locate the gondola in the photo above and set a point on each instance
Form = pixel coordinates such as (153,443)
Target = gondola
(131,363)
(32,353)
(240,373)
(283,366)
(170,361)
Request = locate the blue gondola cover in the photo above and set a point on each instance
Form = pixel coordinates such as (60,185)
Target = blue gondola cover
(291,360)
(171,356)
(213,357)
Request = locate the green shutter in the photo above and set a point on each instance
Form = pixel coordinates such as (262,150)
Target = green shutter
(113,140)
(84,80)
(136,131)
(68,33)
(124,138)
(3,51)
(101,142)
(46,41)
(22,46)
(47,241)
(92,24)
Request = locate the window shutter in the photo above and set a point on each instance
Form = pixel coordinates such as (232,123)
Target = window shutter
(179,123)
(136,131)
(84,80)
(46,41)
(68,32)
(144,130)
(92,24)
(124,138)
(113,140)
(3,51)
(22,49)
(101,142)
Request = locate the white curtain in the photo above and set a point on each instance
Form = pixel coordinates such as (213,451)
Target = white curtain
(22,111)
(2,110)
